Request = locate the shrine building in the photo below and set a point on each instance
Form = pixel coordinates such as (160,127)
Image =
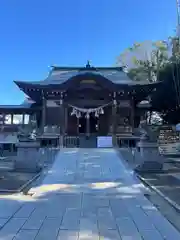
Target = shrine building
(81,101)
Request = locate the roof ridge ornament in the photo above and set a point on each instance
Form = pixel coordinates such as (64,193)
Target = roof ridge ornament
(88,65)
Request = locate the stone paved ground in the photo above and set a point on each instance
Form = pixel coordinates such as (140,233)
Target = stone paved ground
(88,194)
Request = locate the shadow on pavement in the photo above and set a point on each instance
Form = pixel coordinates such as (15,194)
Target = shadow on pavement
(79,205)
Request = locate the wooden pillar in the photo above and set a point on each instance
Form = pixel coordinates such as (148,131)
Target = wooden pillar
(66,119)
(114,120)
(62,121)
(3,118)
(43,120)
(77,126)
(88,125)
(132,113)
(12,117)
(62,116)
(23,119)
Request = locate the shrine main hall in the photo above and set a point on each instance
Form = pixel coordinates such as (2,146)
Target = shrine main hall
(82,100)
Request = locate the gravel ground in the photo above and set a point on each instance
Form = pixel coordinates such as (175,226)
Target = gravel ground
(13,180)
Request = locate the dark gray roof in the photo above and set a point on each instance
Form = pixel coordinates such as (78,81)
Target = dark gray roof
(59,77)
(25,104)
(15,106)
(80,68)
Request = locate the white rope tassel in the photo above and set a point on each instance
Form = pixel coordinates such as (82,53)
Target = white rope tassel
(73,112)
(78,111)
(78,115)
(87,115)
(102,111)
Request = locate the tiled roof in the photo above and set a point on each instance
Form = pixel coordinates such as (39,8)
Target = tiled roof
(26,104)
(115,76)
(60,75)
(15,106)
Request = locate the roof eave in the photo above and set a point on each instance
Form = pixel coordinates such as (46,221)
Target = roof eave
(141,83)
(22,84)
(64,68)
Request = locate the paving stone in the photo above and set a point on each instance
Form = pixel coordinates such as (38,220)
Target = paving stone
(147,235)
(68,235)
(142,220)
(26,235)
(56,200)
(106,219)
(25,211)
(71,200)
(88,192)
(88,229)
(95,201)
(12,227)
(36,219)
(49,229)
(3,221)
(128,229)
(101,202)
(88,235)
(71,219)
(55,208)
(8,208)
(55,212)
(162,224)
(107,234)
(89,224)
(118,208)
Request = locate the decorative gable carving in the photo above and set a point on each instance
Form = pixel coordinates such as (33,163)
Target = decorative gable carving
(88,81)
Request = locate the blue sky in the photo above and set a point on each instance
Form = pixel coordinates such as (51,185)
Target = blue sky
(35,34)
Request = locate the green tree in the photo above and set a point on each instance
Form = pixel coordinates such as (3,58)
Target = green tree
(143,61)
(166,99)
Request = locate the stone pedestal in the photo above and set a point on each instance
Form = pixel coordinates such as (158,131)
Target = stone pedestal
(27,157)
(148,157)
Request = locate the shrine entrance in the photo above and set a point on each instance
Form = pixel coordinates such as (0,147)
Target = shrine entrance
(88,126)
(82,125)
(86,119)
(93,123)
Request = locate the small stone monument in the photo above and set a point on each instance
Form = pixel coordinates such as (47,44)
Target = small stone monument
(27,159)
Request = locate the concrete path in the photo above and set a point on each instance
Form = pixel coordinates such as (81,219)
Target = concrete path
(88,194)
